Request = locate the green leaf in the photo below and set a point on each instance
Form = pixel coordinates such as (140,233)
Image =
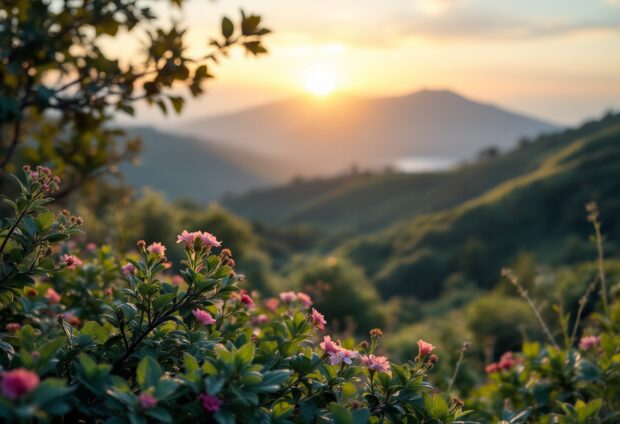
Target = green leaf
(340,414)
(94,329)
(148,372)
(246,353)
(227,27)
(177,103)
(162,301)
(44,221)
(436,406)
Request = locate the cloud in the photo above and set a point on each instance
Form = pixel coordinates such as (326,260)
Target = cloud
(477,26)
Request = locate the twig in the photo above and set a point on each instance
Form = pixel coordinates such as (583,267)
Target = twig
(583,300)
(457,367)
(523,293)
(593,217)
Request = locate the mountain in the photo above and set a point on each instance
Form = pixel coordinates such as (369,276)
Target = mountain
(326,136)
(182,166)
(540,211)
(413,234)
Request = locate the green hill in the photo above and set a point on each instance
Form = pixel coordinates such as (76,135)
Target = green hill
(416,231)
(181,166)
(367,202)
(539,210)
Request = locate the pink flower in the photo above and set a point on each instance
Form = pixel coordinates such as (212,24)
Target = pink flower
(157,248)
(260,319)
(203,317)
(52,296)
(424,348)
(91,247)
(506,361)
(210,403)
(18,382)
(491,368)
(343,355)
(329,346)
(271,304)
(376,363)
(187,238)
(176,280)
(246,299)
(209,240)
(70,261)
(128,268)
(305,299)
(288,297)
(318,320)
(589,342)
(147,401)
(13,327)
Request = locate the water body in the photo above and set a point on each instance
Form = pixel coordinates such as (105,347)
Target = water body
(416,164)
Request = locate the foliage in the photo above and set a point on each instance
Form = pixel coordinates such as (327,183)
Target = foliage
(61,83)
(103,340)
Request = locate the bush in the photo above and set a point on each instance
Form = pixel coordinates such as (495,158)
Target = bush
(93,338)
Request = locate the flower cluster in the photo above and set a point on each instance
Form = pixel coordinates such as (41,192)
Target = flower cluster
(198,240)
(43,177)
(506,362)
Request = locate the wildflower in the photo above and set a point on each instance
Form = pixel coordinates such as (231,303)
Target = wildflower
(375,363)
(506,361)
(203,317)
(424,348)
(288,297)
(70,261)
(260,319)
(52,296)
(13,327)
(187,238)
(589,342)
(343,355)
(147,401)
(329,346)
(176,280)
(433,359)
(18,382)
(91,247)
(318,320)
(305,299)
(246,299)
(157,248)
(210,403)
(141,244)
(128,268)
(271,304)
(491,368)
(209,240)
(376,332)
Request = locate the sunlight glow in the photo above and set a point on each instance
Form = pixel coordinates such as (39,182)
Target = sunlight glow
(319,81)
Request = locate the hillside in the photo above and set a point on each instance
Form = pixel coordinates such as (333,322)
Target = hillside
(539,211)
(326,136)
(181,166)
(366,202)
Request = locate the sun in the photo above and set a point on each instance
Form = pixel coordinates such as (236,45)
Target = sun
(319,81)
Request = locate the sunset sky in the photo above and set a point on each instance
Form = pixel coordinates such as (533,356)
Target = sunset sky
(556,59)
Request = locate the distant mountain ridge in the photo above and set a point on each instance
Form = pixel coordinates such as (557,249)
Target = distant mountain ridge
(326,136)
(181,166)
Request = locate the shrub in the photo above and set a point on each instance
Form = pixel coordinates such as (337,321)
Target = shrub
(93,338)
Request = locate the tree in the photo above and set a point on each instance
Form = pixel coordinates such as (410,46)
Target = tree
(59,89)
